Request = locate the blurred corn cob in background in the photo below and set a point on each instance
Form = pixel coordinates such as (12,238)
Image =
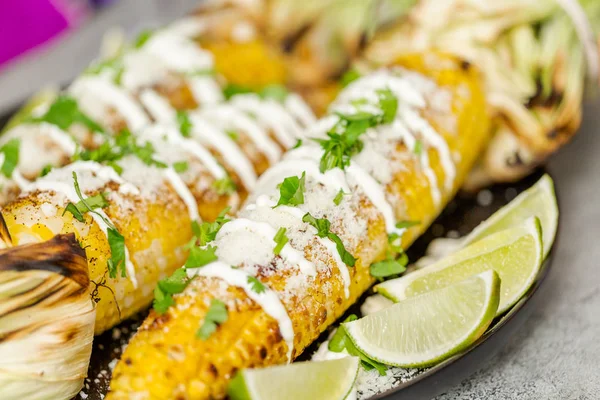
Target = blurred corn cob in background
(533,56)
(397,145)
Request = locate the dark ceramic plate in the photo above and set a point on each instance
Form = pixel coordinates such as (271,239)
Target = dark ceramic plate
(459,218)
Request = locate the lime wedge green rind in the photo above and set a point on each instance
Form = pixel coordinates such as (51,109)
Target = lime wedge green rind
(423,330)
(539,200)
(515,254)
(322,380)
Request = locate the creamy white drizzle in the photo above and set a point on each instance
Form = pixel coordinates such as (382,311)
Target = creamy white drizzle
(205,89)
(106,174)
(268,232)
(264,200)
(273,115)
(230,152)
(173,136)
(178,52)
(158,107)
(58,136)
(183,192)
(268,300)
(95,93)
(299,109)
(228,116)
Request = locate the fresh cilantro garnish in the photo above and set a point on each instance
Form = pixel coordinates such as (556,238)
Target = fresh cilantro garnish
(64,112)
(274,91)
(339,197)
(395,262)
(291,191)
(78,209)
(298,144)
(122,145)
(10,150)
(46,170)
(349,77)
(199,257)
(180,166)
(184,122)
(256,285)
(387,268)
(322,225)
(406,224)
(418,149)
(114,64)
(224,186)
(344,137)
(216,315)
(233,135)
(142,38)
(116,241)
(281,239)
(167,287)
(206,232)
(340,342)
(202,72)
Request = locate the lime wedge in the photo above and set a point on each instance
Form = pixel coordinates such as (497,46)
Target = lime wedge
(539,200)
(426,329)
(515,254)
(322,380)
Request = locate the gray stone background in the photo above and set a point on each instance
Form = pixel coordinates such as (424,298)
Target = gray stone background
(556,354)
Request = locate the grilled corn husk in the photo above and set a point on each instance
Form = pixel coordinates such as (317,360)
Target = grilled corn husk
(166,359)
(533,56)
(46,319)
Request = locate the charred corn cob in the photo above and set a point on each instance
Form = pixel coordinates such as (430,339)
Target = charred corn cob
(533,56)
(399,142)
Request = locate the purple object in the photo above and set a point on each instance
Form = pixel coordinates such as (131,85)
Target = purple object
(27,24)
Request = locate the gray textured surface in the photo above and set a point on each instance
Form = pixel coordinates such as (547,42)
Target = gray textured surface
(556,354)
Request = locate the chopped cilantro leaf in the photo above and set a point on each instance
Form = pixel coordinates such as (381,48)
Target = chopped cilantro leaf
(167,287)
(78,209)
(232,89)
(274,92)
(388,103)
(72,208)
(180,166)
(216,315)
(322,225)
(256,285)
(387,268)
(291,191)
(233,135)
(337,343)
(349,77)
(206,232)
(46,170)
(298,144)
(142,38)
(281,239)
(184,122)
(64,112)
(339,197)
(117,260)
(199,257)
(224,186)
(418,149)
(406,224)
(10,150)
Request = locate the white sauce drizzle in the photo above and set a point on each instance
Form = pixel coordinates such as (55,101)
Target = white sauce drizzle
(157,106)
(268,300)
(226,115)
(68,190)
(268,232)
(183,192)
(95,92)
(58,136)
(272,114)
(205,89)
(299,109)
(178,52)
(231,153)
(264,200)
(173,136)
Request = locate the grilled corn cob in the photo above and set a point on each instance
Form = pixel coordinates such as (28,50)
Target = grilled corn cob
(427,126)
